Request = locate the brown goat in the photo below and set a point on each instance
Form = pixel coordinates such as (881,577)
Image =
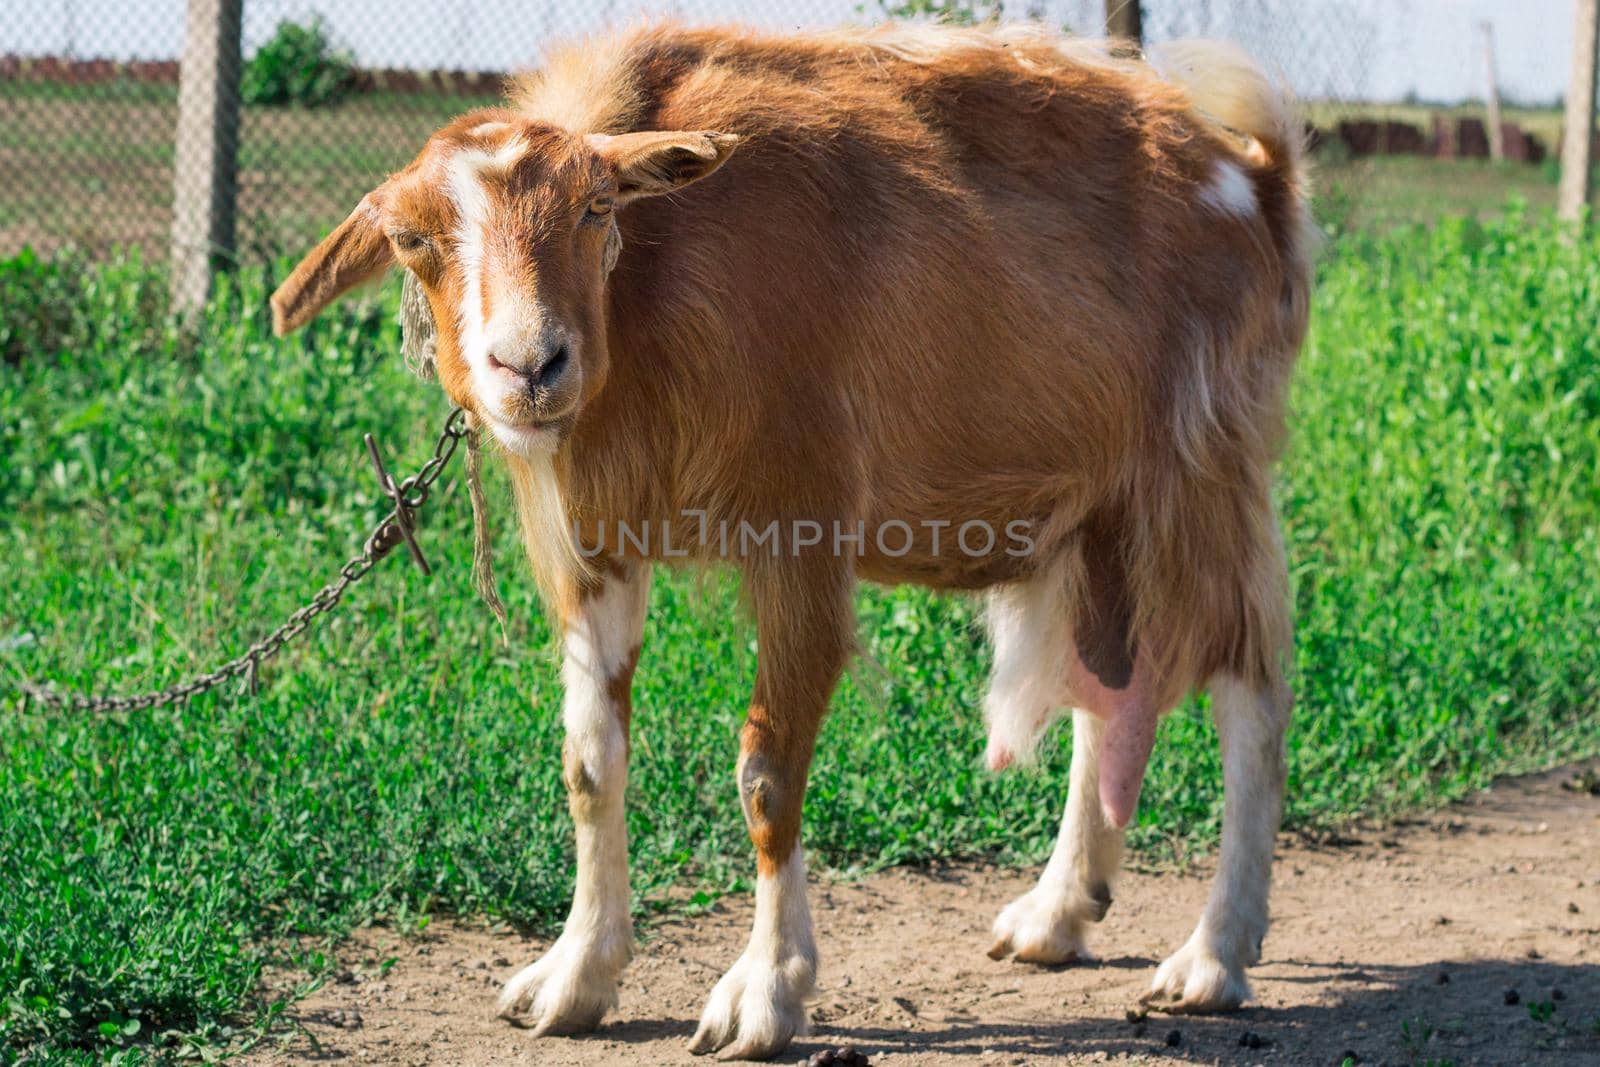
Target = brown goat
(978,309)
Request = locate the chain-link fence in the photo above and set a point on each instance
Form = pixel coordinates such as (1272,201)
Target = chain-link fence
(316,100)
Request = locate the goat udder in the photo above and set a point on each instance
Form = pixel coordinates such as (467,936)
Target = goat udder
(1124,755)
(1130,714)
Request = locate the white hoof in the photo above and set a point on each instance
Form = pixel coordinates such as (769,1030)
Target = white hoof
(569,990)
(1047,926)
(1196,981)
(756,1009)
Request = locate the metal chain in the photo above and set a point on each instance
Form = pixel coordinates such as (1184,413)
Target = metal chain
(395,529)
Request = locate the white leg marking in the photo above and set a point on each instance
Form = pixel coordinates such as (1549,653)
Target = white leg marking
(760,1004)
(1207,973)
(1230,190)
(572,987)
(1047,924)
(1027,685)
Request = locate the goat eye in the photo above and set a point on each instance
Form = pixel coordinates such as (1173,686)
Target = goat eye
(599,207)
(409,242)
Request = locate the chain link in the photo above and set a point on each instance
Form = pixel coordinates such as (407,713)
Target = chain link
(394,530)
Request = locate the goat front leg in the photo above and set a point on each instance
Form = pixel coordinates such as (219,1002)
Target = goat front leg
(574,984)
(805,630)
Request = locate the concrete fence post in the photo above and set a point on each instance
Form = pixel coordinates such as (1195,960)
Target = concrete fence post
(1577,134)
(1491,94)
(205,158)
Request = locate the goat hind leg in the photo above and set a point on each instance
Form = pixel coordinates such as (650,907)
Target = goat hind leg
(1208,973)
(1048,924)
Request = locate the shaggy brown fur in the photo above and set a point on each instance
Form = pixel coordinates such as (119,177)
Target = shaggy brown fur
(943,276)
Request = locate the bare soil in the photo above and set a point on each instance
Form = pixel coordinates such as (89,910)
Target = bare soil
(1398,944)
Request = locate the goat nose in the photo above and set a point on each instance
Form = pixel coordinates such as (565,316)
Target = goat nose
(543,373)
(549,372)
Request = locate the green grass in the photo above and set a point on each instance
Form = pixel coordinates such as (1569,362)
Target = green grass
(117,90)
(162,502)
(91,165)
(1384,192)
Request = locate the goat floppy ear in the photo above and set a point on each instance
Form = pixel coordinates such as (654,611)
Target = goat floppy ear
(356,251)
(648,164)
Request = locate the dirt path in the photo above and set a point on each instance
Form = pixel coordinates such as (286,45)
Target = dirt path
(1399,945)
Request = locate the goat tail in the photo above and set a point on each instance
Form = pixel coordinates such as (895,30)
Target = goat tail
(1230,87)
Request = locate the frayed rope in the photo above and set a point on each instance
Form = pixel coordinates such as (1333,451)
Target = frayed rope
(482,542)
(419,347)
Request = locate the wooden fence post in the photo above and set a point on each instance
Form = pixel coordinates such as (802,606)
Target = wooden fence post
(1123,19)
(1577,134)
(206,152)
